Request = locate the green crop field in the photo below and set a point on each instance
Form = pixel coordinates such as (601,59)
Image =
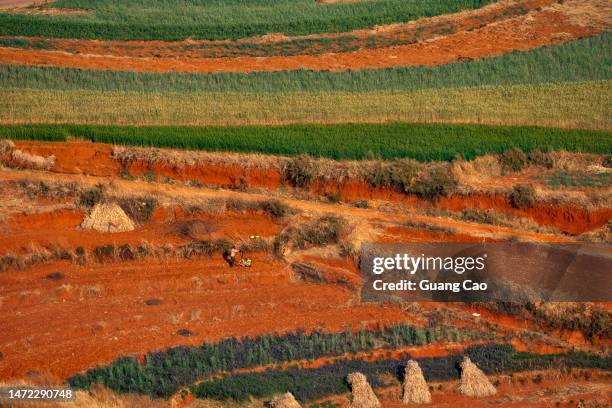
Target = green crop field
(585,59)
(219,19)
(345,141)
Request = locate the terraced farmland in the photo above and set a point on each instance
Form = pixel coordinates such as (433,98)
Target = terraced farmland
(140,142)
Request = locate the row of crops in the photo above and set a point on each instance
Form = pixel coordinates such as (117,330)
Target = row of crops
(350,141)
(316,383)
(581,60)
(164,372)
(219,20)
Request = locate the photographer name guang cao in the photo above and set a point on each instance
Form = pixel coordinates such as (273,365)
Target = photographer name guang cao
(429,286)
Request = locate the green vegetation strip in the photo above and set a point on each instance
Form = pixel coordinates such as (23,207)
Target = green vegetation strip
(569,105)
(585,59)
(219,20)
(315,383)
(346,141)
(164,372)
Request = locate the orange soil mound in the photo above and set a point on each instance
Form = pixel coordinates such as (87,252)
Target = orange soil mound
(537,29)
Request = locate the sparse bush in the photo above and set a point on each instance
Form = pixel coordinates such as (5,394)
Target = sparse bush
(255,245)
(91,196)
(143,250)
(275,208)
(241,205)
(481,217)
(6,146)
(523,196)
(513,160)
(607,161)
(197,248)
(299,171)
(10,262)
(80,255)
(540,158)
(104,253)
(322,231)
(125,253)
(149,176)
(439,181)
(139,209)
(333,196)
(398,174)
(361,204)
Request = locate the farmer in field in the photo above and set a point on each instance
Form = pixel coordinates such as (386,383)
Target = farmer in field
(230,256)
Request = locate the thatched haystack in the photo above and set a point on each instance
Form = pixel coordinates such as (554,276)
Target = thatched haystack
(108,218)
(287,400)
(474,383)
(415,388)
(361,391)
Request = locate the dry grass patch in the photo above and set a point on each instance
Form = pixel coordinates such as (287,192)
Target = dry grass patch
(32,161)
(568,105)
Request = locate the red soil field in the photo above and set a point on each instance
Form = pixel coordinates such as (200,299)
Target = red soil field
(21,230)
(96,160)
(98,313)
(542,27)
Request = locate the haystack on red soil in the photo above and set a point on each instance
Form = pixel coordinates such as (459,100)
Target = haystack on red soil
(286,400)
(415,388)
(474,383)
(108,217)
(362,393)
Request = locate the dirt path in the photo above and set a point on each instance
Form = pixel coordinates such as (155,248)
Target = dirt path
(173,192)
(550,25)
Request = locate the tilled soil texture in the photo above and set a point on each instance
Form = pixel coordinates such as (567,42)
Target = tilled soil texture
(96,314)
(554,24)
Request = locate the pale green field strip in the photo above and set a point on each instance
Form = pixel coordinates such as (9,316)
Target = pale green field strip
(585,105)
(582,60)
